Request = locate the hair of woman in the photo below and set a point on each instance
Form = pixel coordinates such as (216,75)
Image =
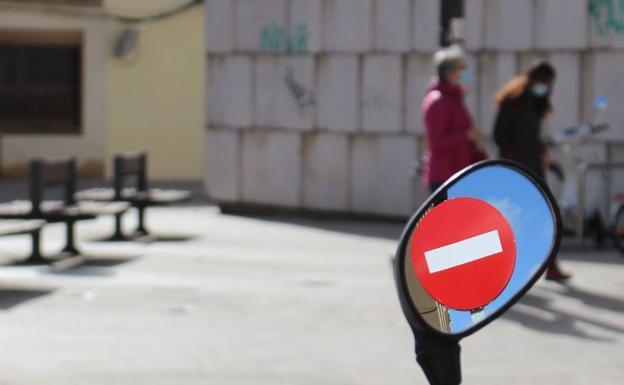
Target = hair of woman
(447,59)
(518,87)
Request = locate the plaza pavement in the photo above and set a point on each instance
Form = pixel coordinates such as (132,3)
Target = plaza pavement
(278,301)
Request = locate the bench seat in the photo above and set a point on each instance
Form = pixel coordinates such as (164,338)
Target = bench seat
(32,227)
(17,227)
(151,197)
(56,211)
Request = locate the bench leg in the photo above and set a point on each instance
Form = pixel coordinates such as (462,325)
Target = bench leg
(70,243)
(118,235)
(141,229)
(35,257)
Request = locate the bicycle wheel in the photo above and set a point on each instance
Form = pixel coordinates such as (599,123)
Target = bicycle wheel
(618,229)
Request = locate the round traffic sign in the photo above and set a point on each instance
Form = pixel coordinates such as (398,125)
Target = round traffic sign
(463,252)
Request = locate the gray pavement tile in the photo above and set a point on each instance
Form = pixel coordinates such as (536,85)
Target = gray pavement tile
(264,301)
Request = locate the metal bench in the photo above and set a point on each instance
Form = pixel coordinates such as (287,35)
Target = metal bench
(58,173)
(30,227)
(132,166)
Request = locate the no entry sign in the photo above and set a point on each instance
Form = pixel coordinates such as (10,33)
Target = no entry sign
(463,252)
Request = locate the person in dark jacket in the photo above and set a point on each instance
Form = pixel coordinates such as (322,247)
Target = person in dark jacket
(449,127)
(523,105)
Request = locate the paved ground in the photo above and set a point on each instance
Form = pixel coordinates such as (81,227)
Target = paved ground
(258,301)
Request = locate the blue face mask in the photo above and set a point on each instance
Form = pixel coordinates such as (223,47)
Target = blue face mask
(540,90)
(466,79)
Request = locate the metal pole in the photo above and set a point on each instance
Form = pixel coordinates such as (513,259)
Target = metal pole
(580,218)
(607,202)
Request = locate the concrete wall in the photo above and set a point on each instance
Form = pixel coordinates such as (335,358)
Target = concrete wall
(306,103)
(156,95)
(334,88)
(89,145)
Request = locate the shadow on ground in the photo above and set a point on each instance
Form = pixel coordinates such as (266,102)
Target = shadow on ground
(91,266)
(536,311)
(148,239)
(10,298)
(591,299)
(390,230)
(571,250)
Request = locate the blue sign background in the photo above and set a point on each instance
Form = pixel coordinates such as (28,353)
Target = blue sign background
(531,219)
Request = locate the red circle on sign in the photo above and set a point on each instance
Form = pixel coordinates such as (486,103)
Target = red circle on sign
(463,252)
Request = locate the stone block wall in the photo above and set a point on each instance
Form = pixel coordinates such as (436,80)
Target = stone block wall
(315,104)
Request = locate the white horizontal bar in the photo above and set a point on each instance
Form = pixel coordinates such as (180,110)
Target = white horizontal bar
(462,252)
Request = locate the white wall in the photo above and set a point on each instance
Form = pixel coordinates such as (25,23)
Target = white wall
(354,92)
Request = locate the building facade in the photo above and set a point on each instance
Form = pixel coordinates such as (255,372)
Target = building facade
(54,77)
(67,89)
(155,92)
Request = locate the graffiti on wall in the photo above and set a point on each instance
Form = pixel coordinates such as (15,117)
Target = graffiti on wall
(275,38)
(607,16)
(303,97)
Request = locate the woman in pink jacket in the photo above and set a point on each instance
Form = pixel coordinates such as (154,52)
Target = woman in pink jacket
(451,135)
